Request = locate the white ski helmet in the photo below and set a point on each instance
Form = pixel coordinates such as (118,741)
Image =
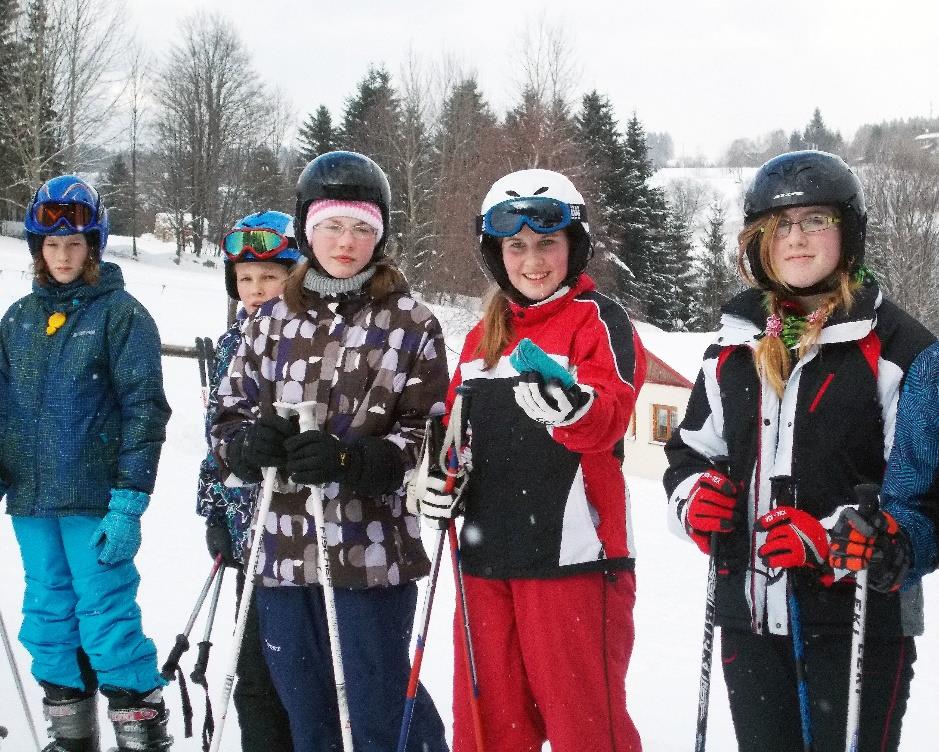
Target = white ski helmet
(544,200)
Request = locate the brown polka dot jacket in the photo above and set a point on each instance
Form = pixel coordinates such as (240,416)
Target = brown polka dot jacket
(376,369)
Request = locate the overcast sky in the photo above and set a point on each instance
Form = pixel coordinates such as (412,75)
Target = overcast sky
(706,71)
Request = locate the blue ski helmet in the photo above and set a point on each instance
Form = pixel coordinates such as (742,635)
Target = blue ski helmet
(262,236)
(66,205)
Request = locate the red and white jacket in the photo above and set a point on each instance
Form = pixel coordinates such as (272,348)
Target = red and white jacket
(548,502)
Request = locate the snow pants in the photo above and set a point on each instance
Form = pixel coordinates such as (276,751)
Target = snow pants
(262,719)
(551,657)
(761,681)
(375,635)
(72,601)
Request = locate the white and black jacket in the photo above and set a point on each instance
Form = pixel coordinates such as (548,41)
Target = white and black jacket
(831,430)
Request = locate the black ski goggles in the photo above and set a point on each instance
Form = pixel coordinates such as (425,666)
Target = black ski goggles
(542,214)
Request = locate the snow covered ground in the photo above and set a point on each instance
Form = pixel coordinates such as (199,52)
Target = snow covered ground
(189,301)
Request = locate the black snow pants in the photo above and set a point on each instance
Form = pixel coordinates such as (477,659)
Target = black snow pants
(761,683)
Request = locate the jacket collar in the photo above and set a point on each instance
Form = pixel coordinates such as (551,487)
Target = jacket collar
(530,315)
(75,294)
(743,317)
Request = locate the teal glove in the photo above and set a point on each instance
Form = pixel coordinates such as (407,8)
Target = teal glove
(119,531)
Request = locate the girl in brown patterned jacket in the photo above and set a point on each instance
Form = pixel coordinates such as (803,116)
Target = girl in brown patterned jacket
(348,335)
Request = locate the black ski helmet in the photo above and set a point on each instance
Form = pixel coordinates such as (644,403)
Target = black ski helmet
(808,178)
(528,184)
(341,176)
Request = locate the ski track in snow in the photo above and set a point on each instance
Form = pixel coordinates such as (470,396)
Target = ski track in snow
(189,301)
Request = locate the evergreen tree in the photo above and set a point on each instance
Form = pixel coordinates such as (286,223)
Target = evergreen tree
(817,135)
(316,135)
(605,188)
(675,307)
(645,212)
(115,192)
(264,183)
(718,278)
(466,159)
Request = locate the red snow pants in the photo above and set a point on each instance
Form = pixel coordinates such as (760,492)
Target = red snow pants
(551,658)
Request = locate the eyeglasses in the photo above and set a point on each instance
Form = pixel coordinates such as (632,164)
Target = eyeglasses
(813,223)
(360,231)
(52,215)
(261,242)
(542,214)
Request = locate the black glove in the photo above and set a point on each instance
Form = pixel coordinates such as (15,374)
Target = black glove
(260,444)
(218,541)
(316,457)
(372,465)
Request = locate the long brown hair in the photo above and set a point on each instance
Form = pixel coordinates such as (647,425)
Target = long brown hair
(386,279)
(771,355)
(497,327)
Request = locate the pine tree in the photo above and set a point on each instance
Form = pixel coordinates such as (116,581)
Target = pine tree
(316,135)
(718,279)
(675,307)
(645,212)
(605,188)
(115,192)
(466,159)
(818,136)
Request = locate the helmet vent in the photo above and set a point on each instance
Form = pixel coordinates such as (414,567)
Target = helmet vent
(540,190)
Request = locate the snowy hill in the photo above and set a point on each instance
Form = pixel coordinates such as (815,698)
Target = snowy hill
(188,301)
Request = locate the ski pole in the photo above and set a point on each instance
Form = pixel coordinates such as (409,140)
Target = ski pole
(307,415)
(202,663)
(203,370)
(202,660)
(467,633)
(704,685)
(798,652)
(171,666)
(867,496)
(411,695)
(264,506)
(18,680)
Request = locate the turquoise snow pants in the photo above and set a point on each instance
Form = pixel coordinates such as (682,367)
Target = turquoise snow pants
(72,601)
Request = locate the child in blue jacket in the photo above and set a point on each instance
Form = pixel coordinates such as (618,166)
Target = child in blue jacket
(259,253)
(82,421)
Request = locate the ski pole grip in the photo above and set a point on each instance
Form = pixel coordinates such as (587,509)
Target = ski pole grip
(868,498)
(172,662)
(202,663)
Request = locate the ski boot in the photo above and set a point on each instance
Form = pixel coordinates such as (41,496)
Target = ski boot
(73,719)
(139,720)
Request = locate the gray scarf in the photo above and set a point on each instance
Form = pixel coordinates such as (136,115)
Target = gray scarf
(330,287)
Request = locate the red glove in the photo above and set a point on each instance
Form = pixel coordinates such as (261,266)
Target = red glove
(711,506)
(796,539)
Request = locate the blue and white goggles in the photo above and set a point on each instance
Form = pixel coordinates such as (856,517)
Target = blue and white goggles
(542,214)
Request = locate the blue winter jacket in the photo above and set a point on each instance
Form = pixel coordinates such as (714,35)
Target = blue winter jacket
(82,410)
(911,485)
(233,507)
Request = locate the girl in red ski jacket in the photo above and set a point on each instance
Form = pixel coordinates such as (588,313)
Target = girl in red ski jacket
(546,542)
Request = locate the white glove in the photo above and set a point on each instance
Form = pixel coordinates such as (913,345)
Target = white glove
(549,402)
(431,499)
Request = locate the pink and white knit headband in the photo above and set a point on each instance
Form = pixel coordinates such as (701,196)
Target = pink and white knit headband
(327,208)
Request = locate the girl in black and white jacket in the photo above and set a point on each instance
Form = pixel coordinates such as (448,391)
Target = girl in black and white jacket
(795,406)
